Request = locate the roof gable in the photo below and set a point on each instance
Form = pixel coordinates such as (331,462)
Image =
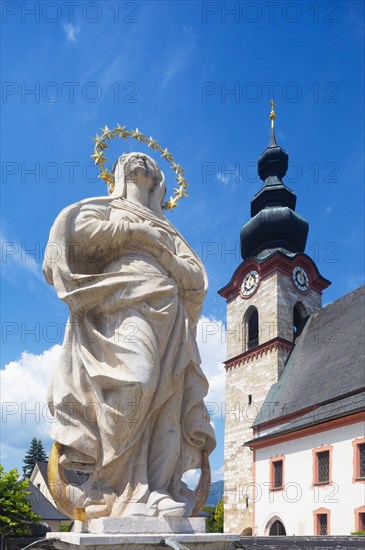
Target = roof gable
(72,476)
(42,506)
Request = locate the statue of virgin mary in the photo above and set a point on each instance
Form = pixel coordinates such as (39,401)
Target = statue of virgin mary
(127,392)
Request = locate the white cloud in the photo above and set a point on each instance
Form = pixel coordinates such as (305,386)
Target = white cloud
(25,414)
(191,478)
(175,65)
(211,337)
(223,178)
(71,31)
(178,59)
(328,210)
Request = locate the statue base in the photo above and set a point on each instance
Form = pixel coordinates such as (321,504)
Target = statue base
(137,533)
(141,525)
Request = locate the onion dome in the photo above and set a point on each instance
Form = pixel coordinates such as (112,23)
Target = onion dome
(274,225)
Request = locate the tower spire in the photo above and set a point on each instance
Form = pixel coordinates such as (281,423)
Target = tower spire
(272,116)
(274,225)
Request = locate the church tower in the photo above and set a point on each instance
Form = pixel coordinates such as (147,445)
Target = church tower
(269,297)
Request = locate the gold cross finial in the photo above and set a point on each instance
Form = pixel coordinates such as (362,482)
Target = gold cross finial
(272,113)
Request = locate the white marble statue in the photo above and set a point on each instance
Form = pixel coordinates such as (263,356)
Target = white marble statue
(127,393)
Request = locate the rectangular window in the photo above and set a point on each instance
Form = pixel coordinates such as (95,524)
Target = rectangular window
(278,474)
(321,518)
(358,446)
(322,524)
(323,467)
(361,451)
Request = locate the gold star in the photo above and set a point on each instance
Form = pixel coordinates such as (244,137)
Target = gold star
(180,193)
(182,182)
(177,168)
(98,156)
(168,156)
(99,142)
(153,144)
(136,134)
(106,176)
(171,204)
(107,134)
(122,131)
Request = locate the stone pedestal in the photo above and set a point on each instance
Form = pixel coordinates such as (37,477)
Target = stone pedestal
(89,541)
(133,533)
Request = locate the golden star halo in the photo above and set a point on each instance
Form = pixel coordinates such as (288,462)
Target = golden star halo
(122,132)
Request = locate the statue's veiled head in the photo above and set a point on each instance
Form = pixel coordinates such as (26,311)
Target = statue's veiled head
(139,169)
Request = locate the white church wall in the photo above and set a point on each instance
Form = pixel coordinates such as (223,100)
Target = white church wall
(296,503)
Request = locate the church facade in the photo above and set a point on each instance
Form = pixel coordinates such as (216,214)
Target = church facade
(286,380)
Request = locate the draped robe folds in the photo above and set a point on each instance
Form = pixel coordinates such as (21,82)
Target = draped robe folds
(127,392)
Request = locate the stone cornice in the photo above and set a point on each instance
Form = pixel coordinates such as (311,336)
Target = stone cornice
(254,353)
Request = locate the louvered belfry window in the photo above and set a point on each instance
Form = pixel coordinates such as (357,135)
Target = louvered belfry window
(323,467)
(253,329)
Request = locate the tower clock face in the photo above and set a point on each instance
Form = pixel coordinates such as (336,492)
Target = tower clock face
(300,278)
(250,283)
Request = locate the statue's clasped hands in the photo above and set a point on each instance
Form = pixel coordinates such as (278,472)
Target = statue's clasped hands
(144,232)
(150,239)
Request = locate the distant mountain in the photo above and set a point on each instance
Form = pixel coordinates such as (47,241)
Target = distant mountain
(216,493)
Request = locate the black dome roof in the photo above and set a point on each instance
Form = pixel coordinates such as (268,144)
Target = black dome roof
(274,228)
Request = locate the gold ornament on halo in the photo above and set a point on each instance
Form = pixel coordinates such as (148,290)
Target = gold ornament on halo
(122,132)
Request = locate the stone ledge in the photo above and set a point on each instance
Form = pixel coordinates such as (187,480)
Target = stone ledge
(90,541)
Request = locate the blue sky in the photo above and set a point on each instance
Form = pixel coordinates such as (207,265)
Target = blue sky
(197,76)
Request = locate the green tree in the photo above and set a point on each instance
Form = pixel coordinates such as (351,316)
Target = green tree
(215,519)
(219,517)
(35,454)
(15,509)
(210,518)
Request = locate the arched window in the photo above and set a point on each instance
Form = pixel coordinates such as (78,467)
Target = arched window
(277,528)
(252,328)
(299,319)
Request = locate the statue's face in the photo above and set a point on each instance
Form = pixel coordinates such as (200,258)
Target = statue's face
(141,168)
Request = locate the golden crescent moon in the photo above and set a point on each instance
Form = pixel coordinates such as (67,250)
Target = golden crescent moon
(202,490)
(58,483)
